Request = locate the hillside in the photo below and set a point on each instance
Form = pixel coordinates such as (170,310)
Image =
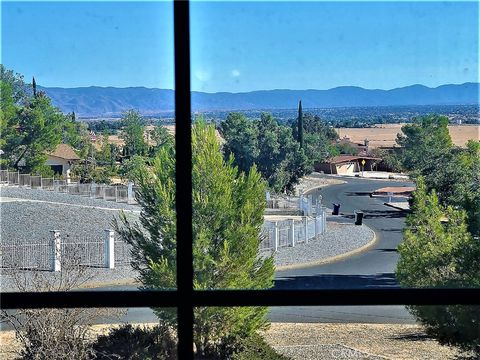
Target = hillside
(111,101)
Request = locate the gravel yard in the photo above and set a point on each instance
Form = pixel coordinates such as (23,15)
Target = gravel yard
(52,196)
(356,341)
(339,239)
(326,342)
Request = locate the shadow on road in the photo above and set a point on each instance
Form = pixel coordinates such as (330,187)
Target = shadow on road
(387,250)
(381,280)
(376,214)
(358,193)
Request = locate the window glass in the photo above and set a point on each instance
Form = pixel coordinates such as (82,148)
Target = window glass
(88,124)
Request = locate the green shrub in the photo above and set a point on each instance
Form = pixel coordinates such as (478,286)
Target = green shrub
(135,342)
(256,348)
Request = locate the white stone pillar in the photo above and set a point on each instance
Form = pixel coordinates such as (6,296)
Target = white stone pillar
(109,249)
(56,255)
(130,193)
(291,233)
(318,226)
(275,237)
(116,193)
(324,219)
(305,224)
(93,189)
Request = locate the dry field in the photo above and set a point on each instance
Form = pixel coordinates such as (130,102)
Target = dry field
(385,135)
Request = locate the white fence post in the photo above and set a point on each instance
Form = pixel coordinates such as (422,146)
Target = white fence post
(275,237)
(324,220)
(56,251)
(291,233)
(116,194)
(305,224)
(130,193)
(109,249)
(93,188)
(318,225)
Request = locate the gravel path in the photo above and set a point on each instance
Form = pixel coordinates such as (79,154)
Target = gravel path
(339,239)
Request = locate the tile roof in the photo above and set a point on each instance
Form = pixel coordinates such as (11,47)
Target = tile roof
(347,158)
(64,151)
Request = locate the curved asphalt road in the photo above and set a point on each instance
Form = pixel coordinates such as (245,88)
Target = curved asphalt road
(371,269)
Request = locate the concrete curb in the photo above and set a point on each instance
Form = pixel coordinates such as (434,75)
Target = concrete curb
(335,258)
(396,207)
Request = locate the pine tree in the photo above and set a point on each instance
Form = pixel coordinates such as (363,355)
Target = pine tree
(227,218)
(34,86)
(300,124)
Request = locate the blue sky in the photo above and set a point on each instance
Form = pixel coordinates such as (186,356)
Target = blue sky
(243,46)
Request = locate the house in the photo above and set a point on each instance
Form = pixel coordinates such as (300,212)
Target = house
(348,164)
(62,159)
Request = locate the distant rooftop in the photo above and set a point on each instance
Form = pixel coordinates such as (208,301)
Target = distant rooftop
(64,151)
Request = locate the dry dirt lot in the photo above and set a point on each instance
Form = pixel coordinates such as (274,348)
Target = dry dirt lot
(385,135)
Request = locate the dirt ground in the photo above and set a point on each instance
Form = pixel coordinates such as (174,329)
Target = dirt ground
(389,341)
(385,135)
(327,341)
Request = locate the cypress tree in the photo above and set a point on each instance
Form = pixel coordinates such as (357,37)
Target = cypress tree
(34,86)
(300,124)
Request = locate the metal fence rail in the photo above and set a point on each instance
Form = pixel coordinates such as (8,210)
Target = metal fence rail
(24,255)
(50,254)
(277,234)
(3,176)
(117,193)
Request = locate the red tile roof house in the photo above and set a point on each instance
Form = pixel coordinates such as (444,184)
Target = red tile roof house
(62,159)
(347,164)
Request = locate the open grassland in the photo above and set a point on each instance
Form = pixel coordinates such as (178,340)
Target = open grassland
(385,135)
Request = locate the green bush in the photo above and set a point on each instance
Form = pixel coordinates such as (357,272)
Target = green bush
(130,342)
(256,348)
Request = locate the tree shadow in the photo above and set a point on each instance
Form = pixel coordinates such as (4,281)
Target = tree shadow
(387,250)
(337,281)
(359,193)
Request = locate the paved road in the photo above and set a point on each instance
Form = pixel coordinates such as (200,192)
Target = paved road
(371,269)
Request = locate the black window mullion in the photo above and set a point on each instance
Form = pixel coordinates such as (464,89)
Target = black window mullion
(183,178)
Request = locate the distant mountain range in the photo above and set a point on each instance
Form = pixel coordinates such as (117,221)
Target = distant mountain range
(110,101)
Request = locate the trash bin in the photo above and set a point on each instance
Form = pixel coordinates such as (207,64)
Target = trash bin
(358,217)
(336,209)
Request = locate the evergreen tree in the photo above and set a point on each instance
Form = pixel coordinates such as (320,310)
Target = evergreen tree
(133,133)
(300,124)
(227,219)
(34,87)
(438,251)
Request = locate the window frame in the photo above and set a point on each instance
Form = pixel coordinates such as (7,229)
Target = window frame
(185,298)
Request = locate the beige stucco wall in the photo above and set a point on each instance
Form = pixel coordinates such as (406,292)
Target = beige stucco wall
(348,168)
(53,160)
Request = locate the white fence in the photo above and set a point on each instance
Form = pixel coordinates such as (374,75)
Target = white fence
(309,205)
(119,193)
(277,234)
(49,254)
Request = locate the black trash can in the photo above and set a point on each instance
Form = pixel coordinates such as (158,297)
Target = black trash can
(336,209)
(358,217)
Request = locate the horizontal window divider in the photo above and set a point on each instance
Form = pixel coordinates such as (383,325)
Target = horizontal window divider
(171,298)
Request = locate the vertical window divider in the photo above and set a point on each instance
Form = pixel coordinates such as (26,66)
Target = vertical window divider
(183,178)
